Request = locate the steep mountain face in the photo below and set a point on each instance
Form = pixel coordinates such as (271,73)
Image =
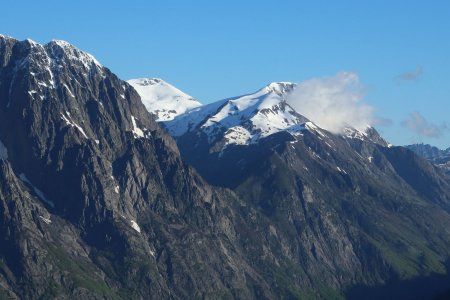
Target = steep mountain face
(347,210)
(163,99)
(95,201)
(439,157)
(364,215)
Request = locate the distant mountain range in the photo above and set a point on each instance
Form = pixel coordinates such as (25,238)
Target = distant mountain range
(435,155)
(245,199)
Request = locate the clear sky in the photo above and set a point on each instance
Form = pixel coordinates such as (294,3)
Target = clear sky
(400,50)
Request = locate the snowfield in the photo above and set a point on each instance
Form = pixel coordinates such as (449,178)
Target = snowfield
(163,99)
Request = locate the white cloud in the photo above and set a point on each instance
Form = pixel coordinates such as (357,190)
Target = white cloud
(333,102)
(420,126)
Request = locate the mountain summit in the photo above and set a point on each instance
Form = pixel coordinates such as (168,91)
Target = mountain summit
(162,98)
(242,120)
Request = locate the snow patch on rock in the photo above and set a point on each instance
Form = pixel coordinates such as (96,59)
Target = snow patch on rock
(70,122)
(135,226)
(137,132)
(73,53)
(46,220)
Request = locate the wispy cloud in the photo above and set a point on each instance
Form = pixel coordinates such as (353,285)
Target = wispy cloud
(333,102)
(420,126)
(380,121)
(411,75)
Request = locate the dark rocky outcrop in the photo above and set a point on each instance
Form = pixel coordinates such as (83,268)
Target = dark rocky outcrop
(95,201)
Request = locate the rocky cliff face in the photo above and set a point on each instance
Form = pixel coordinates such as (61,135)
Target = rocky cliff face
(96,202)
(94,199)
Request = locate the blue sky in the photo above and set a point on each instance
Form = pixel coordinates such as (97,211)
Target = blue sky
(400,50)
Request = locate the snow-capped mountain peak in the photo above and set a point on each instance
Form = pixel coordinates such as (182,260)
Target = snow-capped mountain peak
(43,63)
(242,120)
(72,52)
(147,81)
(53,55)
(163,99)
(280,88)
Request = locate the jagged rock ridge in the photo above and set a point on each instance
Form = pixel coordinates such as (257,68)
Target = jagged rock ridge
(96,202)
(439,157)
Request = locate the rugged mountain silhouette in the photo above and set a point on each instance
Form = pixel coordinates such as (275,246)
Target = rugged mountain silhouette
(96,201)
(439,157)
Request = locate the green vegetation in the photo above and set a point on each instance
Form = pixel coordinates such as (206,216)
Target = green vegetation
(80,273)
(130,271)
(283,278)
(409,254)
(52,290)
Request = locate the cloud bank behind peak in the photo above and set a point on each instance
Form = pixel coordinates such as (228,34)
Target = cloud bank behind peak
(333,102)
